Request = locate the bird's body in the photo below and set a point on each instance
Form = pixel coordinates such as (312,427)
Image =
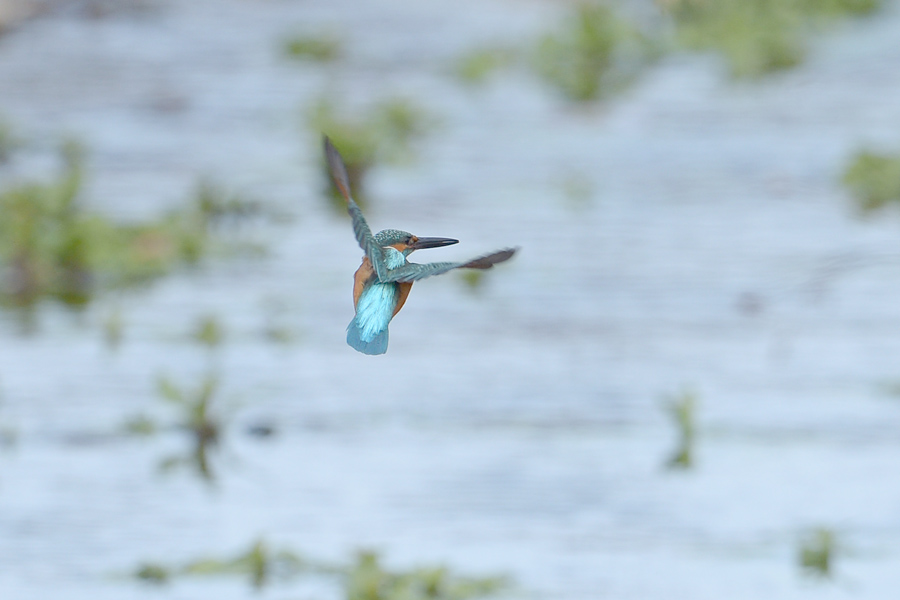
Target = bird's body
(383,281)
(376,304)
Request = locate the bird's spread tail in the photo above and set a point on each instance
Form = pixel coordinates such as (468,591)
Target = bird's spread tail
(378,344)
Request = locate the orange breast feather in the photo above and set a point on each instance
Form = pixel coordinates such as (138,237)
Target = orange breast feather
(404,294)
(362,275)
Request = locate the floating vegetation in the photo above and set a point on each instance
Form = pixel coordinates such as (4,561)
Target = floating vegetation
(873,178)
(141,425)
(475,66)
(363,579)
(113,328)
(52,247)
(816,553)
(473,279)
(682,410)
(319,48)
(366,579)
(593,54)
(384,134)
(209,331)
(199,418)
(757,36)
(152,573)
(259,562)
(218,207)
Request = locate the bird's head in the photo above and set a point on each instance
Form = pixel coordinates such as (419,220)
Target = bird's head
(407,243)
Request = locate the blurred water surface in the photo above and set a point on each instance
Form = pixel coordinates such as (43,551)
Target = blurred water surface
(518,429)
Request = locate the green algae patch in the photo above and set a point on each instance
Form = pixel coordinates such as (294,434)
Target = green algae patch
(682,411)
(757,37)
(316,48)
(873,179)
(52,246)
(593,54)
(815,555)
(363,578)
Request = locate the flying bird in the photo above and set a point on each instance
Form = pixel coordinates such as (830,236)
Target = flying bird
(382,283)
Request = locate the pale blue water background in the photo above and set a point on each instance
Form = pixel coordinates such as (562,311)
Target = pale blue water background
(518,430)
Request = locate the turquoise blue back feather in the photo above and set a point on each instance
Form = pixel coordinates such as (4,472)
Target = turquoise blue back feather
(368,331)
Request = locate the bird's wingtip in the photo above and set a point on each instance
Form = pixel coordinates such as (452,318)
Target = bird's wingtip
(489,260)
(336,167)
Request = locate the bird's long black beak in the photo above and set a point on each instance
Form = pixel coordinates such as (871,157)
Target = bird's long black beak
(432,242)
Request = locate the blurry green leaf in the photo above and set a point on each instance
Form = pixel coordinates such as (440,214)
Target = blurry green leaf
(367,580)
(209,331)
(152,573)
(682,410)
(50,246)
(816,554)
(170,463)
(477,65)
(472,278)
(593,54)
(169,391)
(141,425)
(873,179)
(321,48)
(757,36)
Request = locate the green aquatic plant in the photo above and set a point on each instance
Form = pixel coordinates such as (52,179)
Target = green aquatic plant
(152,573)
(472,279)
(384,134)
(682,410)
(873,178)
(319,48)
(366,579)
(217,206)
(259,562)
(816,553)
(757,36)
(199,417)
(141,425)
(113,328)
(209,331)
(51,246)
(594,53)
(475,66)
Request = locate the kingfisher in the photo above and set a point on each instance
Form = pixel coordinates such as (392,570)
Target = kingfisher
(382,283)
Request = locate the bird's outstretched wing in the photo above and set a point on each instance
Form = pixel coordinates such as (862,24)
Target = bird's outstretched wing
(360,227)
(414,271)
